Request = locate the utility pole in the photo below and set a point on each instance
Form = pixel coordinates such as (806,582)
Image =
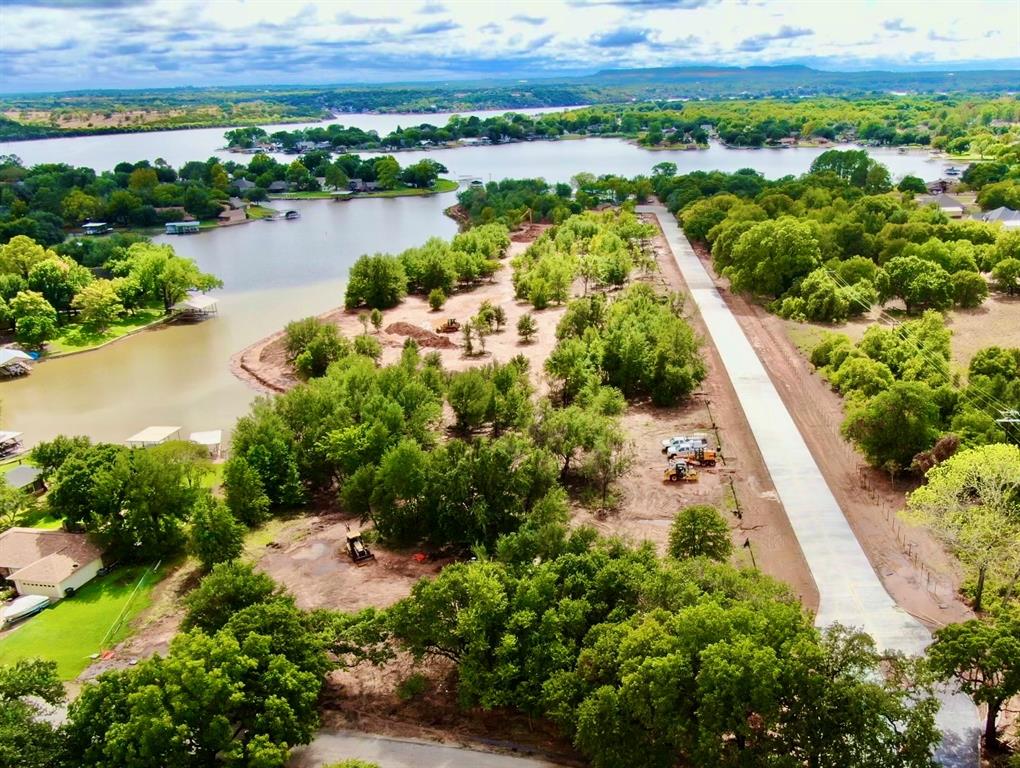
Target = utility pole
(747,546)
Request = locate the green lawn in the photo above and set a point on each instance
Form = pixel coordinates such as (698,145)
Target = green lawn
(260,212)
(70,631)
(75,338)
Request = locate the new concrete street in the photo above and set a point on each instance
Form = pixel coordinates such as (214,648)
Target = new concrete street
(849,590)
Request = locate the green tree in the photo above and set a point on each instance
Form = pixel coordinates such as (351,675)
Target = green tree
(15,505)
(527,327)
(982,656)
(35,319)
(387,171)
(894,425)
(912,184)
(58,280)
(246,498)
(20,254)
(78,207)
(1006,275)
(264,441)
(920,283)
(27,739)
(470,394)
(165,276)
(437,298)
(335,177)
(770,256)
(99,305)
(216,535)
(378,282)
(700,531)
(970,503)
(227,589)
(376,316)
(969,289)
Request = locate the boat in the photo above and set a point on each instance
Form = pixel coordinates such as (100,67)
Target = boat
(292,215)
(21,608)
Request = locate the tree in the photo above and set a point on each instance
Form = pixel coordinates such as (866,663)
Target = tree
(1006,275)
(970,503)
(387,171)
(918,282)
(377,281)
(20,254)
(227,589)
(335,177)
(78,207)
(912,184)
(246,498)
(216,535)
(527,327)
(15,504)
(99,304)
(58,280)
(437,298)
(770,256)
(969,289)
(894,425)
(470,394)
(376,316)
(165,276)
(27,739)
(982,656)
(35,319)
(700,531)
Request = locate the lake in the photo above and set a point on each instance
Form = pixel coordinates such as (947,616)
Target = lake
(275,272)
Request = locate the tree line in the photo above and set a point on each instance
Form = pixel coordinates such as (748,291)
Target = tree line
(42,289)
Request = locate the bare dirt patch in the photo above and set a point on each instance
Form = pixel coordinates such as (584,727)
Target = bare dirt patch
(921,577)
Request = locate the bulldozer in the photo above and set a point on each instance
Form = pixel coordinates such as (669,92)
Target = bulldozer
(357,550)
(678,471)
(450,325)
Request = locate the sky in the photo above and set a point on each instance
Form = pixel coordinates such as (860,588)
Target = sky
(54,45)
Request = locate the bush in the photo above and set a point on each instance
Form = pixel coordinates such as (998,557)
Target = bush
(216,536)
(412,686)
(969,289)
(437,299)
(527,327)
(368,346)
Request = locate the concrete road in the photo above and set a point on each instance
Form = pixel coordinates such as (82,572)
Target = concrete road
(849,590)
(333,746)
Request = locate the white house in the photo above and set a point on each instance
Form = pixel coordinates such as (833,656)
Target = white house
(48,562)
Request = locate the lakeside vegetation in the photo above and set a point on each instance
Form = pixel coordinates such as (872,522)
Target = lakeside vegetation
(114,111)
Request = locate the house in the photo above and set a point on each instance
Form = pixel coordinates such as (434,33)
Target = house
(25,478)
(236,203)
(243,185)
(278,187)
(181,227)
(53,563)
(359,185)
(1007,217)
(947,204)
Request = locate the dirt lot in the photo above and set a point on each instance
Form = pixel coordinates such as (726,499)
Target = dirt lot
(920,576)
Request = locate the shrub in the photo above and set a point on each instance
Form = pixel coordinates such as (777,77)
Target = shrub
(377,281)
(437,299)
(412,686)
(700,531)
(527,327)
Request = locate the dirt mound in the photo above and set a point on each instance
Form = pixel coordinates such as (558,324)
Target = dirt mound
(423,336)
(527,232)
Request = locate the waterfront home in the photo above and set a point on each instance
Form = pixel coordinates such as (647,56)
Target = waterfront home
(1007,217)
(243,185)
(279,187)
(949,205)
(51,563)
(359,185)
(25,477)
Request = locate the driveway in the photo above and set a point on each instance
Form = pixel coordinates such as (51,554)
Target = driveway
(333,746)
(849,590)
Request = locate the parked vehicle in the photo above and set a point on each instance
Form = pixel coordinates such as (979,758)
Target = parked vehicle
(21,608)
(356,549)
(685,441)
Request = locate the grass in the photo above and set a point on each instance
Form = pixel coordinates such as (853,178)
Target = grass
(441,185)
(98,616)
(260,212)
(76,338)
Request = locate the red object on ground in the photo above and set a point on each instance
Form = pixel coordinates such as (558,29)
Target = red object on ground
(420,557)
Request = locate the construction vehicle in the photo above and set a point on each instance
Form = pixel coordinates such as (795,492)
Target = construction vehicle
(357,550)
(449,326)
(698,457)
(680,470)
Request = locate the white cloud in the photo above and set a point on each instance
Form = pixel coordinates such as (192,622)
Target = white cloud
(56,45)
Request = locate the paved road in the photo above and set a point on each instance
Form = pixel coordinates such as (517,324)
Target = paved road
(849,590)
(333,746)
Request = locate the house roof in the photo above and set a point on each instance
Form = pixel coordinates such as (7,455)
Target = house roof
(22,476)
(943,200)
(243,184)
(51,569)
(152,435)
(212,437)
(198,303)
(24,547)
(1001,213)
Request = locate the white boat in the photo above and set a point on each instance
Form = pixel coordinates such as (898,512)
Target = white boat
(21,608)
